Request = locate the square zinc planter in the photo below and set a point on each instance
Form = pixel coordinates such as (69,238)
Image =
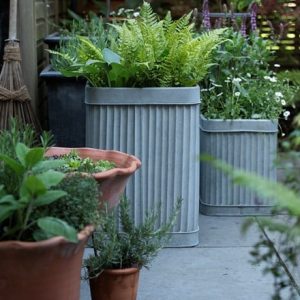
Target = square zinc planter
(66,108)
(161,127)
(250,145)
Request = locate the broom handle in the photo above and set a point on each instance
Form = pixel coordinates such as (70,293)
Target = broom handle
(13,19)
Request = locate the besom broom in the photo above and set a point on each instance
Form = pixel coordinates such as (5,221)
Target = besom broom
(14,97)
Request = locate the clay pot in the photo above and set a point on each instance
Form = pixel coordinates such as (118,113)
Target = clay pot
(45,270)
(112,182)
(121,284)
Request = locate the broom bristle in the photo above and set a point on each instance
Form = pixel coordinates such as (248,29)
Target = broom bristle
(14,96)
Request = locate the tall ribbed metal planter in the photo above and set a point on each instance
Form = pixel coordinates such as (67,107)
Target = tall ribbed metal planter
(161,127)
(250,145)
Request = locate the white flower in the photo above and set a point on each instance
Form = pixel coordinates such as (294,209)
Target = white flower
(136,14)
(278,95)
(256,116)
(277,65)
(286,114)
(272,79)
(236,80)
(277,100)
(283,102)
(248,75)
(237,94)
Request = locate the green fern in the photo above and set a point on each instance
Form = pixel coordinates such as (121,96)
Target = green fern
(152,52)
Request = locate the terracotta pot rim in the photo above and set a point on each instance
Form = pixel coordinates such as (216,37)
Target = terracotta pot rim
(135,163)
(122,271)
(82,235)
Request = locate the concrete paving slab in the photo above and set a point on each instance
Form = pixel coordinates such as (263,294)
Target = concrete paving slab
(204,273)
(218,269)
(225,232)
(201,274)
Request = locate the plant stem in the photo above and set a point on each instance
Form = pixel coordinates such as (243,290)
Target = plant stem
(28,213)
(290,276)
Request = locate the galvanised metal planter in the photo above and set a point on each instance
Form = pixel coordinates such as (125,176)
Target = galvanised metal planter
(66,109)
(160,126)
(250,145)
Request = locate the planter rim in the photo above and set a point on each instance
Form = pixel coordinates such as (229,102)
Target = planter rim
(142,96)
(49,73)
(135,163)
(21,245)
(238,125)
(121,271)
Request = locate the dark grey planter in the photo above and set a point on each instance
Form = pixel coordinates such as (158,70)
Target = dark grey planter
(53,40)
(250,145)
(66,108)
(160,127)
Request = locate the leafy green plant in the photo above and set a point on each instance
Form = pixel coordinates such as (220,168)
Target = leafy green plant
(143,52)
(18,133)
(241,85)
(36,188)
(241,5)
(80,205)
(133,246)
(74,163)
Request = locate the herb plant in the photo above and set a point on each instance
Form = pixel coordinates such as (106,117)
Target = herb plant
(241,84)
(80,205)
(36,182)
(18,133)
(142,52)
(74,163)
(133,246)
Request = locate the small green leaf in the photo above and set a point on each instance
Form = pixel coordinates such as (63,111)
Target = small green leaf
(2,190)
(8,205)
(51,178)
(21,152)
(56,227)
(34,156)
(13,164)
(49,197)
(111,57)
(34,185)
(46,165)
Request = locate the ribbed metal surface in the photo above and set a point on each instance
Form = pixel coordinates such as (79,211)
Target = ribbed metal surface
(250,151)
(166,139)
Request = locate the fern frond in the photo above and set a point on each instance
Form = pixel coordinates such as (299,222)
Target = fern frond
(88,49)
(147,15)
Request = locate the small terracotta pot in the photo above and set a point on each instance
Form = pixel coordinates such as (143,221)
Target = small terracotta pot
(121,284)
(112,182)
(46,270)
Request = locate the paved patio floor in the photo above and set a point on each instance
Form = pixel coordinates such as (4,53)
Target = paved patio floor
(217,269)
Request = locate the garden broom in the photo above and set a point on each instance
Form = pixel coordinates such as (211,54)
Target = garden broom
(14,97)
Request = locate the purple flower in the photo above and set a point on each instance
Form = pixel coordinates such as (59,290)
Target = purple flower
(206,17)
(253,21)
(243,27)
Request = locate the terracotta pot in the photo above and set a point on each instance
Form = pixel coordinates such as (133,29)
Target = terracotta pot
(121,284)
(112,182)
(45,270)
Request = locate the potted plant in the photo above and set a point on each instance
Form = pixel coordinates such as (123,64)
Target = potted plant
(40,252)
(142,98)
(65,95)
(242,100)
(111,169)
(119,255)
